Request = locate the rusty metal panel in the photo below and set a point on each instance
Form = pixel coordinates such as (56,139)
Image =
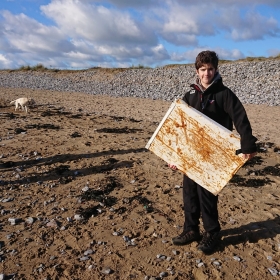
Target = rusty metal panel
(200,147)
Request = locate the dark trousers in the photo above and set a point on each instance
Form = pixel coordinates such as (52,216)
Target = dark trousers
(198,200)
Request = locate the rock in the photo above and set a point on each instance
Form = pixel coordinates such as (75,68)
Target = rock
(273,271)
(216,263)
(200,264)
(236,258)
(29,220)
(78,217)
(14,221)
(175,252)
(243,78)
(85,189)
(52,223)
(88,252)
(163,274)
(7,199)
(107,270)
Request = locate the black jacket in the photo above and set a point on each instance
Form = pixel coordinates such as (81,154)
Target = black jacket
(221,105)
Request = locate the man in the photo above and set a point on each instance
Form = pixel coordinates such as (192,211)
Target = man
(211,97)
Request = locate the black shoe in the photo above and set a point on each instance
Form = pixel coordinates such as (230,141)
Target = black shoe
(209,242)
(186,237)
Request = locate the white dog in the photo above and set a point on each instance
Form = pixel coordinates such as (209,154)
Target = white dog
(23,102)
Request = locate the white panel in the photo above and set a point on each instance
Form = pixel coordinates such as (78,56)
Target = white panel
(200,147)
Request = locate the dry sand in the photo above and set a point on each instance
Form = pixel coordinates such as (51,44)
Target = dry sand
(82,156)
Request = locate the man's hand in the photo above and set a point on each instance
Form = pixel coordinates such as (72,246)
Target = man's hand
(172,166)
(249,156)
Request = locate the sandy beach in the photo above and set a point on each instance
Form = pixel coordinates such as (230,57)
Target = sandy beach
(83,199)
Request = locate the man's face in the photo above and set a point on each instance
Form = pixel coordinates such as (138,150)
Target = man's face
(206,74)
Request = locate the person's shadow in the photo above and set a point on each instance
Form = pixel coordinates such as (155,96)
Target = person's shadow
(63,171)
(252,232)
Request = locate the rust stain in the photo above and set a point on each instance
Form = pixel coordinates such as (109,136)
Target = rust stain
(183,140)
(179,151)
(234,136)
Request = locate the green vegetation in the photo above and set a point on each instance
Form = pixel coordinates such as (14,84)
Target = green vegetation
(277,56)
(41,67)
(250,58)
(38,67)
(139,67)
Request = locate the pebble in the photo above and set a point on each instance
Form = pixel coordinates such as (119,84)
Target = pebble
(160,256)
(236,258)
(3,212)
(78,217)
(7,199)
(273,271)
(86,188)
(88,252)
(29,220)
(52,223)
(106,270)
(163,274)
(13,221)
(269,258)
(243,78)
(9,236)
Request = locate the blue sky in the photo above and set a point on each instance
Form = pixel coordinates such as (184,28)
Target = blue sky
(77,34)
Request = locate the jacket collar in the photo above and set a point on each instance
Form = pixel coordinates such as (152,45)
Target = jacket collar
(197,84)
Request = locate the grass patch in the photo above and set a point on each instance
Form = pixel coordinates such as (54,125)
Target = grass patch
(41,67)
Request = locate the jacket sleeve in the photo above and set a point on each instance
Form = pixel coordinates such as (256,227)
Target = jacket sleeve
(237,113)
(186,97)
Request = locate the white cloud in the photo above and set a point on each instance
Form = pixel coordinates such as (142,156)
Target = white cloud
(181,24)
(5,63)
(251,26)
(125,32)
(190,55)
(27,35)
(255,27)
(97,23)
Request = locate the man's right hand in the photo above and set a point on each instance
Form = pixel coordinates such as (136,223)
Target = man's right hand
(172,166)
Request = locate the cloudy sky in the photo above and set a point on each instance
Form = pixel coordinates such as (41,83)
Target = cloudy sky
(78,34)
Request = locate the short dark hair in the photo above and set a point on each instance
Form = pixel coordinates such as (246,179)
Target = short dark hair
(206,57)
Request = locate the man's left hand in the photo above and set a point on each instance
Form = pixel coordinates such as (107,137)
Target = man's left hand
(249,156)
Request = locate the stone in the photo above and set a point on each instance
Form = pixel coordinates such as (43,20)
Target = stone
(273,271)
(106,270)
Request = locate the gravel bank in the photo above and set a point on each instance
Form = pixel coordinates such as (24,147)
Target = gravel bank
(253,82)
